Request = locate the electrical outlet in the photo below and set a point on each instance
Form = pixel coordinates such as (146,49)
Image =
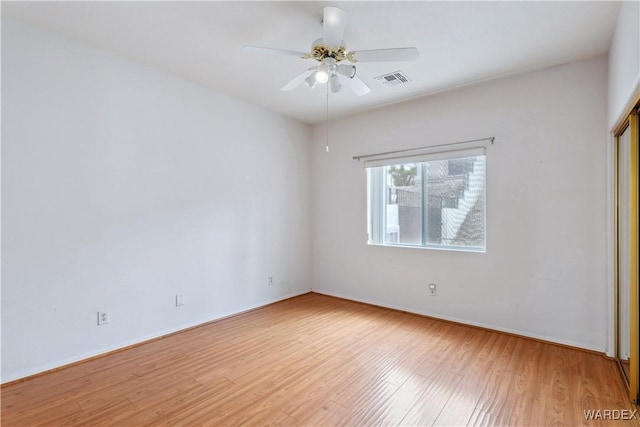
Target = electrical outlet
(270,280)
(432,289)
(103,317)
(179,300)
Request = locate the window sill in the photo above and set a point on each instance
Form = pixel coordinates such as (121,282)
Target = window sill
(437,248)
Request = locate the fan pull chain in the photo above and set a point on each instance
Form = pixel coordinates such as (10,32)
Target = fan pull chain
(327,134)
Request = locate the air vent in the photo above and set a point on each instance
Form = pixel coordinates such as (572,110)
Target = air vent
(393,79)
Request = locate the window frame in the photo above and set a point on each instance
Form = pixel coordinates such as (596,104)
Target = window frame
(376,173)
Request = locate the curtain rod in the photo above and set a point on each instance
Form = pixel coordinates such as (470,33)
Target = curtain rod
(408,150)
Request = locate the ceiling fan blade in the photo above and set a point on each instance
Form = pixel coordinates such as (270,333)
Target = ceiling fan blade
(297,81)
(384,55)
(356,85)
(271,51)
(333,23)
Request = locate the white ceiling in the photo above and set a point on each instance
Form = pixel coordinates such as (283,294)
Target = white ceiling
(459,42)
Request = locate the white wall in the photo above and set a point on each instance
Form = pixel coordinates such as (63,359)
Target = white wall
(123,186)
(544,272)
(624,61)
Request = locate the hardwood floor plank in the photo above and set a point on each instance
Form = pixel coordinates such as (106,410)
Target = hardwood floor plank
(395,408)
(328,413)
(464,400)
(315,360)
(431,403)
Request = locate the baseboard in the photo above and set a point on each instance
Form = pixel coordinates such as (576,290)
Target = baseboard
(143,340)
(485,326)
(165,334)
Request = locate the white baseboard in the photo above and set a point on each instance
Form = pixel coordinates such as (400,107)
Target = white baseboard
(141,340)
(525,334)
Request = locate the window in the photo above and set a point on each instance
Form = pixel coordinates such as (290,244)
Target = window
(433,201)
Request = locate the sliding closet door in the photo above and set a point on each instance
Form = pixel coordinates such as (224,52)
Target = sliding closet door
(627,252)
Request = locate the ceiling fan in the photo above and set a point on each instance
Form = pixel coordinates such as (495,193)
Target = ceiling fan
(331,52)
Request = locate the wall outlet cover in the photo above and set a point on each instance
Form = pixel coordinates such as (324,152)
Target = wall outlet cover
(103,317)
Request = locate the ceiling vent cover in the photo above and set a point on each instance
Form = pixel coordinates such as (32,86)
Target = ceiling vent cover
(393,79)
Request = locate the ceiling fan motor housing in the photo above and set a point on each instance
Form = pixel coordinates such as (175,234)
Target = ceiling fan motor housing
(320,51)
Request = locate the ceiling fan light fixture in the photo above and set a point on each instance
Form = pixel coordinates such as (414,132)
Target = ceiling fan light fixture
(334,82)
(321,76)
(311,81)
(347,70)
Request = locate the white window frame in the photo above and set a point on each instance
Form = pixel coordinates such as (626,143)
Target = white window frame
(376,173)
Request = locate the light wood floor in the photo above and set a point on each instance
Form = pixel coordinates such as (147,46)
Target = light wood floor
(321,361)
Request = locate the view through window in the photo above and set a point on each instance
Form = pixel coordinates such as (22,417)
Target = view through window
(434,203)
